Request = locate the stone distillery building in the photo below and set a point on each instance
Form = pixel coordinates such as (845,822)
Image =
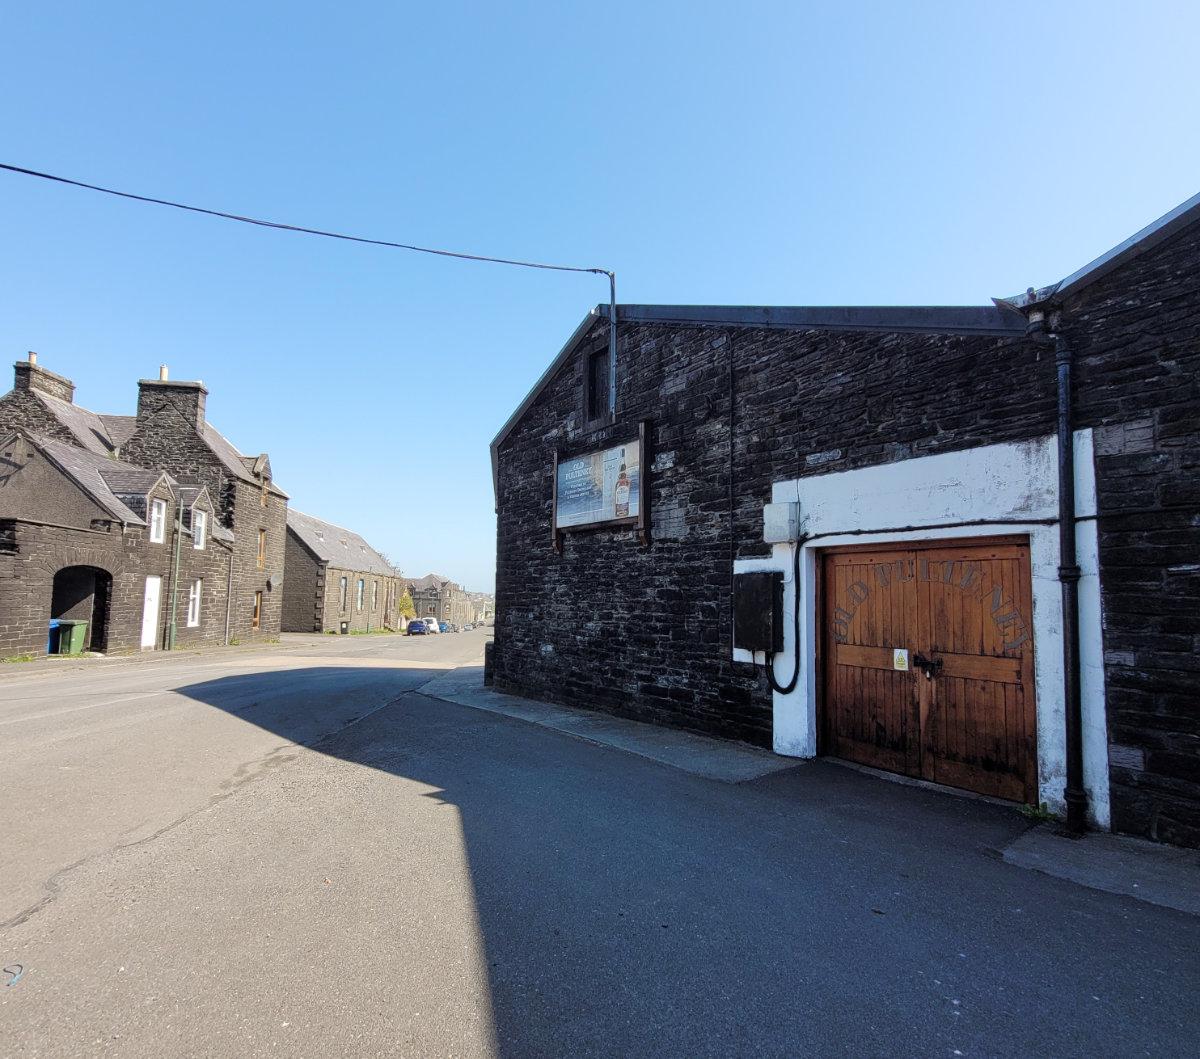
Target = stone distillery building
(959,544)
(151,527)
(334,581)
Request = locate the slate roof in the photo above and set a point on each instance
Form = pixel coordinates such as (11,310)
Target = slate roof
(432,581)
(1004,317)
(120,428)
(107,433)
(97,475)
(233,460)
(85,425)
(337,546)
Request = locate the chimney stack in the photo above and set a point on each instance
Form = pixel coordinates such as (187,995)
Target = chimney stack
(187,398)
(30,376)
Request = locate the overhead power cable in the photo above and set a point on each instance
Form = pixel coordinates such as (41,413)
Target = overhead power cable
(305,231)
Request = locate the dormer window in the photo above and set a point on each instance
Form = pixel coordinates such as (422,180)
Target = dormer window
(158,521)
(199,529)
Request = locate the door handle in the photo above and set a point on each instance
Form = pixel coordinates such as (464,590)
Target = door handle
(931,667)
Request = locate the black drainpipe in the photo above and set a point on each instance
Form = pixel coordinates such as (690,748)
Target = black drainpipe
(1068,571)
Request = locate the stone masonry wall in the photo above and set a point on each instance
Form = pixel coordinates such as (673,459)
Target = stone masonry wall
(19,408)
(249,516)
(1137,339)
(303,588)
(368,618)
(645,632)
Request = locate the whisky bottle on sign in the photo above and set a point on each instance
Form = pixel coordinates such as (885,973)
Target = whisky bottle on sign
(621,494)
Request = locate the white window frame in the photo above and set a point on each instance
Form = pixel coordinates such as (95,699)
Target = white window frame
(158,521)
(194,595)
(199,529)
(359,593)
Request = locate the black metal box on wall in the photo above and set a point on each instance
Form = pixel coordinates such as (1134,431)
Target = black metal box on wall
(758,611)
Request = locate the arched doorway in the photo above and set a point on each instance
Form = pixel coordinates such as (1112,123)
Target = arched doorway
(83,593)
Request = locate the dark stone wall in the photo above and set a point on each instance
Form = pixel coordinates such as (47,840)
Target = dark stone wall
(645,632)
(27,583)
(1137,340)
(248,517)
(164,438)
(19,408)
(303,588)
(384,614)
(39,547)
(34,377)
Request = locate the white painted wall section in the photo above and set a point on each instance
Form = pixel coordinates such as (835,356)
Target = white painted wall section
(1007,487)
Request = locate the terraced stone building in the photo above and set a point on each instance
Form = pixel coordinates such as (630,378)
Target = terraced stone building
(335,582)
(151,527)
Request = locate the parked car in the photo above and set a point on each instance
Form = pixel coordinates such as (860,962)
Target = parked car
(468,627)
(431,625)
(417,628)
(443,626)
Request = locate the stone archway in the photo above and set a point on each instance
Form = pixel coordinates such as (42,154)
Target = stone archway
(84,593)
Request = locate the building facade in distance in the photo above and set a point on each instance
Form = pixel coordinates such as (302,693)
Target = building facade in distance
(440,599)
(335,582)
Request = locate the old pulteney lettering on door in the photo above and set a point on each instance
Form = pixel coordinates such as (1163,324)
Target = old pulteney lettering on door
(966,575)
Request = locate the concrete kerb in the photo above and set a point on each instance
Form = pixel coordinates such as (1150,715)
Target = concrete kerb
(1147,871)
(700,755)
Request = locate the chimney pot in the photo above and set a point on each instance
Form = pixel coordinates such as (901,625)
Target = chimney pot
(32,357)
(162,373)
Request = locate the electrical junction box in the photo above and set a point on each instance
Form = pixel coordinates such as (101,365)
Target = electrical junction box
(758,611)
(781,522)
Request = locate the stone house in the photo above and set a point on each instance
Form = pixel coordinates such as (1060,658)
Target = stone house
(440,598)
(133,552)
(335,582)
(232,498)
(961,543)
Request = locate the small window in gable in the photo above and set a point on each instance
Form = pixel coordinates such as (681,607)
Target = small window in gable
(199,529)
(597,385)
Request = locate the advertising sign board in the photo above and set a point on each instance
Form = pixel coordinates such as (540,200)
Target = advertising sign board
(599,487)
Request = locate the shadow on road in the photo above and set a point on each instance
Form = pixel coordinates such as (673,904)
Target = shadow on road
(628,908)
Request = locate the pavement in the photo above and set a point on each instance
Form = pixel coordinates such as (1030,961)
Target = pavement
(293,851)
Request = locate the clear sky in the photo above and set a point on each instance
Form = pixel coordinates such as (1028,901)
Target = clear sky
(782,153)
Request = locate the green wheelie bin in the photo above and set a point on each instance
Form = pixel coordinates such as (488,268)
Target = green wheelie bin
(72,635)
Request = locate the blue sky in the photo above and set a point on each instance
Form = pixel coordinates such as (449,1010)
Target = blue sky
(783,153)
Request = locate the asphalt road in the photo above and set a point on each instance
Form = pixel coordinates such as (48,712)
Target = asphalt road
(287,851)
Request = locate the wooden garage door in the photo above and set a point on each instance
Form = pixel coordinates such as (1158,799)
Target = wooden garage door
(927,657)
